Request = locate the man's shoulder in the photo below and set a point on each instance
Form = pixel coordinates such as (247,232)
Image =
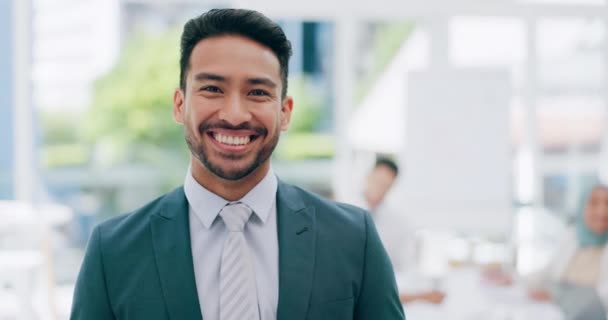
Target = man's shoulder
(136,220)
(327,210)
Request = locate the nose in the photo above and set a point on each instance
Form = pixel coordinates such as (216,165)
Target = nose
(234,111)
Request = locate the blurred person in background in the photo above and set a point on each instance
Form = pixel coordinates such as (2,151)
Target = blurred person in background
(235,243)
(397,237)
(580,262)
(576,278)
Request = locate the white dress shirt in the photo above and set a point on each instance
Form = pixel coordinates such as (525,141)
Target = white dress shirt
(397,237)
(395,232)
(208,233)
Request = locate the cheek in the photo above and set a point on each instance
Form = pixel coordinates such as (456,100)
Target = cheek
(191,123)
(597,221)
(603,212)
(196,115)
(269,119)
(603,219)
(200,107)
(192,126)
(374,191)
(376,195)
(602,226)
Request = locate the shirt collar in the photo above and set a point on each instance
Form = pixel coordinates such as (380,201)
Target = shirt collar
(207,205)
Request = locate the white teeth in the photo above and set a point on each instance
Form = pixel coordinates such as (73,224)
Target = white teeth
(235,141)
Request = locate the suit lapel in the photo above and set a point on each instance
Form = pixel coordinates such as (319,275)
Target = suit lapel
(173,253)
(296,236)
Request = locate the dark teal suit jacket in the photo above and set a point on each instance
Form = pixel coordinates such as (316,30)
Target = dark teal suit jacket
(332,264)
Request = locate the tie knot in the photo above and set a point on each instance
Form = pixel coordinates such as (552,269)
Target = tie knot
(235,216)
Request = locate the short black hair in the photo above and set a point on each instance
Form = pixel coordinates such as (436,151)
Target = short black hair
(247,23)
(387,162)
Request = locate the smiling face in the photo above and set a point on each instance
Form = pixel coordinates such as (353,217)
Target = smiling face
(231,108)
(596,211)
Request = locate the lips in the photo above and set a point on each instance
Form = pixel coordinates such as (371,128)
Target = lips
(229,138)
(232,140)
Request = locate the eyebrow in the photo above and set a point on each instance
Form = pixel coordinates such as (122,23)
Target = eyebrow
(206,76)
(209,76)
(262,81)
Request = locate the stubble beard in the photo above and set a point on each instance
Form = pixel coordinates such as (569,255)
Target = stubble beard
(200,152)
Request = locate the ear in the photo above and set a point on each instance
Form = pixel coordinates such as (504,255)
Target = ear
(179,99)
(286,108)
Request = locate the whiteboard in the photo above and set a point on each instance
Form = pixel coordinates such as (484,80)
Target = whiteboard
(457,155)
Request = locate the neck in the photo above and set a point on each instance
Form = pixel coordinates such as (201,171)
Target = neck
(231,190)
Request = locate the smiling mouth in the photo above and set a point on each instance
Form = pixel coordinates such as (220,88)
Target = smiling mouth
(231,140)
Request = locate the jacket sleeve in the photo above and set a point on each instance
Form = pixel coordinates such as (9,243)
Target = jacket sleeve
(378,298)
(91,301)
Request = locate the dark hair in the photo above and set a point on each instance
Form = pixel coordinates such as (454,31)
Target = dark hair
(387,162)
(247,23)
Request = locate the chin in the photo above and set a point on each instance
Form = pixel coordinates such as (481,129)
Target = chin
(232,172)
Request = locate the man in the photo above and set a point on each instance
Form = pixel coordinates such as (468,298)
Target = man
(235,242)
(392,227)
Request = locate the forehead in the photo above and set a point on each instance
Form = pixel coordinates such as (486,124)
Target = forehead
(234,56)
(383,171)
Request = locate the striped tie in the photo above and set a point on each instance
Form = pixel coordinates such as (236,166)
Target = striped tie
(238,293)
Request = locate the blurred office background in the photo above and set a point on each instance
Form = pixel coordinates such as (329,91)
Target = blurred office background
(495,110)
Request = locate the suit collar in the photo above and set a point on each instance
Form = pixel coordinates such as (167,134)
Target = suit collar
(204,204)
(296,234)
(173,253)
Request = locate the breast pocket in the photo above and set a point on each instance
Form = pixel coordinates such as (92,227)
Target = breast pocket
(339,309)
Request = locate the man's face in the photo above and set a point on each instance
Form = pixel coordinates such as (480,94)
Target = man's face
(232,109)
(379,182)
(596,212)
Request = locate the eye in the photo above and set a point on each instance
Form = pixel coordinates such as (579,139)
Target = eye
(258,92)
(213,89)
